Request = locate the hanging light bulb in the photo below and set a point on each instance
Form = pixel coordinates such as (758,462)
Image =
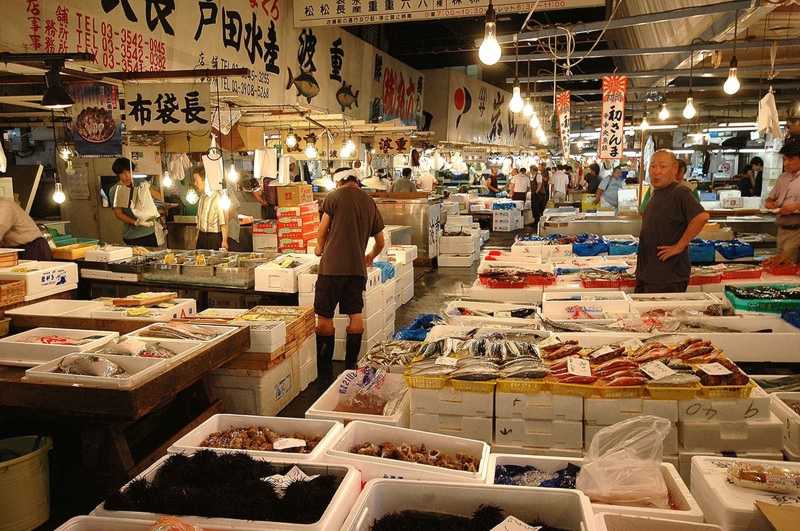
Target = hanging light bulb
(489,51)
(689,110)
(225,201)
(311,150)
(348,149)
(732,84)
(166,180)
(645,124)
(291,140)
(663,114)
(527,110)
(535,124)
(58,194)
(191,196)
(516,103)
(233,175)
(580,144)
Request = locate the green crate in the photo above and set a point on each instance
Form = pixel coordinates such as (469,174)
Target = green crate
(765,306)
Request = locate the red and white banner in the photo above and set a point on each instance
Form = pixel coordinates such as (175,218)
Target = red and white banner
(612,129)
(562,109)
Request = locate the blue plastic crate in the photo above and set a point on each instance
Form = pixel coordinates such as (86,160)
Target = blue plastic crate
(702,252)
(792,317)
(622,248)
(733,249)
(589,248)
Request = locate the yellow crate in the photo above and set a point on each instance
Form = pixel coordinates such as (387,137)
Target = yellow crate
(518,385)
(726,391)
(685,392)
(586,391)
(474,387)
(417,381)
(628,391)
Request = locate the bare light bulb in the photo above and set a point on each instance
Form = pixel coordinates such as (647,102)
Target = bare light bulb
(645,124)
(535,124)
(58,194)
(489,51)
(516,103)
(233,175)
(732,84)
(527,110)
(291,140)
(663,114)
(225,201)
(311,150)
(191,196)
(689,111)
(166,180)
(348,149)
(65,154)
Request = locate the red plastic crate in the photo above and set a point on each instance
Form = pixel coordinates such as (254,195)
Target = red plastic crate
(538,280)
(781,270)
(502,284)
(627,283)
(747,274)
(599,283)
(705,279)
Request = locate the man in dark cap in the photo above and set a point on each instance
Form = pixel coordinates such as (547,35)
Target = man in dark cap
(785,198)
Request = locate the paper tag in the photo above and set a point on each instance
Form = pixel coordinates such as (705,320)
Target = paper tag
(552,340)
(288,443)
(513,523)
(578,366)
(656,370)
(714,369)
(281,482)
(632,344)
(602,351)
(447,361)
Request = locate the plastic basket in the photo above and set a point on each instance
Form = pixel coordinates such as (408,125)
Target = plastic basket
(627,283)
(781,270)
(726,391)
(743,274)
(416,381)
(519,385)
(760,305)
(702,252)
(792,317)
(600,283)
(702,280)
(473,387)
(622,248)
(658,392)
(586,391)
(589,248)
(538,280)
(733,249)
(503,284)
(630,391)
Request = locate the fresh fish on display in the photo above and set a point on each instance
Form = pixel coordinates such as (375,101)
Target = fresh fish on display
(575,379)
(180,331)
(615,364)
(556,346)
(676,380)
(90,365)
(627,381)
(654,354)
(563,352)
(475,372)
(596,357)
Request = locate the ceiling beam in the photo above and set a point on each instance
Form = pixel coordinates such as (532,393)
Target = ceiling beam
(670,90)
(751,71)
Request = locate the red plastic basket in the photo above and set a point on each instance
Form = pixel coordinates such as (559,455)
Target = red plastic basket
(627,283)
(503,284)
(781,270)
(600,283)
(538,280)
(705,279)
(744,274)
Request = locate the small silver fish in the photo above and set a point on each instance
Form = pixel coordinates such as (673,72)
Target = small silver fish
(90,365)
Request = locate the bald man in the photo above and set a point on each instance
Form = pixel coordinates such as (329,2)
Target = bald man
(672,219)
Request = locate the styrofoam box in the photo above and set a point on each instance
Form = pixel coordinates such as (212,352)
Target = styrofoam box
(453,315)
(389,288)
(608,411)
(222,313)
(697,301)
(265,336)
(358,432)
(306,282)
(541,433)
(308,350)
(556,507)
(533,450)
(610,301)
(340,345)
(270,278)
(45,279)
(727,505)
(180,309)
(326,430)
(452,260)
(670,446)
(98,523)
(461,221)
(332,518)
(457,245)
(477,428)
(108,253)
(372,324)
(627,522)
(245,392)
(15,350)
(685,460)
(138,369)
(323,408)
(539,406)
(222,329)
(308,373)
(755,407)
(742,436)
(789,418)
(181,347)
(56,307)
(687,508)
(408,294)
(450,401)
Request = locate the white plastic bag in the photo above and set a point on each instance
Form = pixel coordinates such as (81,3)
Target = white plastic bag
(623,464)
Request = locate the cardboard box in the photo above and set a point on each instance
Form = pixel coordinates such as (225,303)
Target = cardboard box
(291,244)
(539,406)
(265,242)
(304,233)
(305,208)
(298,221)
(542,433)
(476,428)
(450,401)
(293,195)
(265,226)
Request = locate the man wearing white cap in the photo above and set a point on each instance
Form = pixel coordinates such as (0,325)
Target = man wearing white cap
(349,218)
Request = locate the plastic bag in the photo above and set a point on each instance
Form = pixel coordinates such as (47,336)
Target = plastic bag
(368,391)
(622,465)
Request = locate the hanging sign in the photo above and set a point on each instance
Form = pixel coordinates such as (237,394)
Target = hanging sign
(355,12)
(167,106)
(563,110)
(392,144)
(398,91)
(96,127)
(612,131)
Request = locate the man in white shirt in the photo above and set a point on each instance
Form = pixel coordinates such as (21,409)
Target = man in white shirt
(520,184)
(426,182)
(559,185)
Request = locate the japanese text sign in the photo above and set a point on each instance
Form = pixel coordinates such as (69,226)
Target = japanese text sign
(167,106)
(612,131)
(563,112)
(392,144)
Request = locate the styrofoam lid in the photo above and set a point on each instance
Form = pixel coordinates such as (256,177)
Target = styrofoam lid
(626,522)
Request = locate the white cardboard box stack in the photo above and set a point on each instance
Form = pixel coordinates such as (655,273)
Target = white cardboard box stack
(538,423)
(507,220)
(453,412)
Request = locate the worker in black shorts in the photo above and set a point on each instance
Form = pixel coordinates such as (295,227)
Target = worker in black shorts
(349,218)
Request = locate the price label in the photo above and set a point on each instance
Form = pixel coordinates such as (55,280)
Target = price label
(288,443)
(714,369)
(513,523)
(602,351)
(578,366)
(656,370)
(447,361)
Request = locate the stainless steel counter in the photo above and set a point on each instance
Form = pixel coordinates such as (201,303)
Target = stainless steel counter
(422,216)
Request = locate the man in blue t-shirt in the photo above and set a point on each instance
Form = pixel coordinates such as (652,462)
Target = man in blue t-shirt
(608,191)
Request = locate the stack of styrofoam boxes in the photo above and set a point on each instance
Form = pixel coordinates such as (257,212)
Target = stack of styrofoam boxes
(459,251)
(405,281)
(540,423)
(297,225)
(744,427)
(265,235)
(601,412)
(390,305)
(268,277)
(507,220)
(781,405)
(305,362)
(43,279)
(453,412)
(451,208)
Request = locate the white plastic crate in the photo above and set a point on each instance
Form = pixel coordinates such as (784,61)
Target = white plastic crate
(308,373)
(325,429)
(727,505)
(17,350)
(179,309)
(707,410)
(265,336)
(559,508)
(358,432)
(627,522)
(608,411)
(139,370)
(670,445)
(686,509)
(323,408)
(539,406)
(108,253)
(253,392)
(540,433)
(790,420)
(332,518)
(477,428)
(450,401)
(408,294)
(742,436)
(44,278)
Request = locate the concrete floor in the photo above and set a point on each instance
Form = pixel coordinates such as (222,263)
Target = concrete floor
(431,289)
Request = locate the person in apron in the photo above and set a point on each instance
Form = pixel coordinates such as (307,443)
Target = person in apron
(133,205)
(212,222)
(19,231)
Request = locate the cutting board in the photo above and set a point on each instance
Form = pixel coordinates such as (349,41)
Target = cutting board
(150,300)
